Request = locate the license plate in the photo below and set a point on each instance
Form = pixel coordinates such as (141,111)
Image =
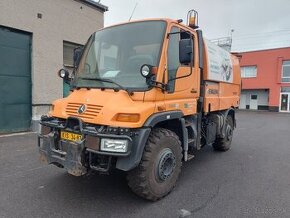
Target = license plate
(70,136)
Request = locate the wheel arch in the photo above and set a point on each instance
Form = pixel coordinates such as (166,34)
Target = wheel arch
(158,118)
(229,112)
(170,120)
(174,125)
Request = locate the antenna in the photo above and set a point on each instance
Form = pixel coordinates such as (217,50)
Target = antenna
(133,11)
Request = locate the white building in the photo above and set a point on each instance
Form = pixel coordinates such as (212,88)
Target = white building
(37,38)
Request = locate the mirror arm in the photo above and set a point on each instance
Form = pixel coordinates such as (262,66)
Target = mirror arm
(163,87)
(159,85)
(191,65)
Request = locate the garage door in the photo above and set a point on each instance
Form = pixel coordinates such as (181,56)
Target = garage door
(15,81)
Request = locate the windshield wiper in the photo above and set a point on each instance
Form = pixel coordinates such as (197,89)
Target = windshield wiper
(108,81)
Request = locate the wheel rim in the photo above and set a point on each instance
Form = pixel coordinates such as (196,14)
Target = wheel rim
(229,132)
(166,164)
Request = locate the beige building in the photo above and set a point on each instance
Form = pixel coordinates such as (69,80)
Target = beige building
(37,38)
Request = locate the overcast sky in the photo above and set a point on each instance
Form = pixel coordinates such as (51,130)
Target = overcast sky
(257,24)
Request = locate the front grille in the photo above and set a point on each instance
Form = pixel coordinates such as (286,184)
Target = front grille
(91,111)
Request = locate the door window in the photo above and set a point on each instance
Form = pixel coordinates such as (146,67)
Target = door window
(173,62)
(173,57)
(254,97)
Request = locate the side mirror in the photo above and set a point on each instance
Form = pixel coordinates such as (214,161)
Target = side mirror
(77,56)
(64,74)
(185,51)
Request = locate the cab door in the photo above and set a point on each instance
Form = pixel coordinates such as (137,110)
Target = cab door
(183,84)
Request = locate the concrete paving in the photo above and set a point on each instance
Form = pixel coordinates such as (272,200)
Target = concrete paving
(250,180)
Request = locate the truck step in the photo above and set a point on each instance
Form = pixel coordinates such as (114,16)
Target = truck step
(190,156)
(187,123)
(190,141)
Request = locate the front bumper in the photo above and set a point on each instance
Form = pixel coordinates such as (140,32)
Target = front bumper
(78,157)
(67,154)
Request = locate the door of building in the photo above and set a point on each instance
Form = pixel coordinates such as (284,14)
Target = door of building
(243,101)
(15,80)
(254,102)
(285,102)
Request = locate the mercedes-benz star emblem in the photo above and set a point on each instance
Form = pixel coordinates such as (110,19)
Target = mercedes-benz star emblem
(82,109)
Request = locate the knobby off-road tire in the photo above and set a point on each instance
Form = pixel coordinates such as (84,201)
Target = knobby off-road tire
(224,144)
(160,166)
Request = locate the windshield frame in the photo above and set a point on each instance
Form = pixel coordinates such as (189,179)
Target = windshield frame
(91,41)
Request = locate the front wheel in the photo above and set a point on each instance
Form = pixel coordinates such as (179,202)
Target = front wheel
(160,166)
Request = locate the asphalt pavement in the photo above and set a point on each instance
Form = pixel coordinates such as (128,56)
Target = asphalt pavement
(250,180)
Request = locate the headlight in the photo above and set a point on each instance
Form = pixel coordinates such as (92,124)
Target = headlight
(114,145)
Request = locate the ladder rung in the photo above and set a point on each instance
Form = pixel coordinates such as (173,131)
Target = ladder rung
(190,141)
(190,156)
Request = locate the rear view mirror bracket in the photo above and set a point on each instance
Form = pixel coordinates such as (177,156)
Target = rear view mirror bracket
(77,56)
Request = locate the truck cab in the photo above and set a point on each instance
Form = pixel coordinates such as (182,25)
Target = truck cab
(142,100)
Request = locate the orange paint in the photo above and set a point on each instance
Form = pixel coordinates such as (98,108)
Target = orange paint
(106,107)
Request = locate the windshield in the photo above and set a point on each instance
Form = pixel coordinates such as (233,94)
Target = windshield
(117,54)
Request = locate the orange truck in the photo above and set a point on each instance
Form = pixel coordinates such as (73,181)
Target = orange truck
(145,96)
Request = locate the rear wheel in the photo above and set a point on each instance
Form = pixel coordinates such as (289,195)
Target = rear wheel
(160,166)
(224,144)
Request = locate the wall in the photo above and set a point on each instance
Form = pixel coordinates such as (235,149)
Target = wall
(67,20)
(269,69)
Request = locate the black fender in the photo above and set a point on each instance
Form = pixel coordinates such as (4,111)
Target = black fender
(231,112)
(138,144)
(139,141)
(154,119)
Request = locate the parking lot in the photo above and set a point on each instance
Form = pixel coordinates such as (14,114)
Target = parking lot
(250,180)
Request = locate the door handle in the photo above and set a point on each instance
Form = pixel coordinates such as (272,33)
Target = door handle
(193,91)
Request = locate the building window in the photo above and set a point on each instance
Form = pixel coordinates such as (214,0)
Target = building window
(254,97)
(173,57)
(68,62)
(285,89)
(286,72)
(249,71)
(68,54)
